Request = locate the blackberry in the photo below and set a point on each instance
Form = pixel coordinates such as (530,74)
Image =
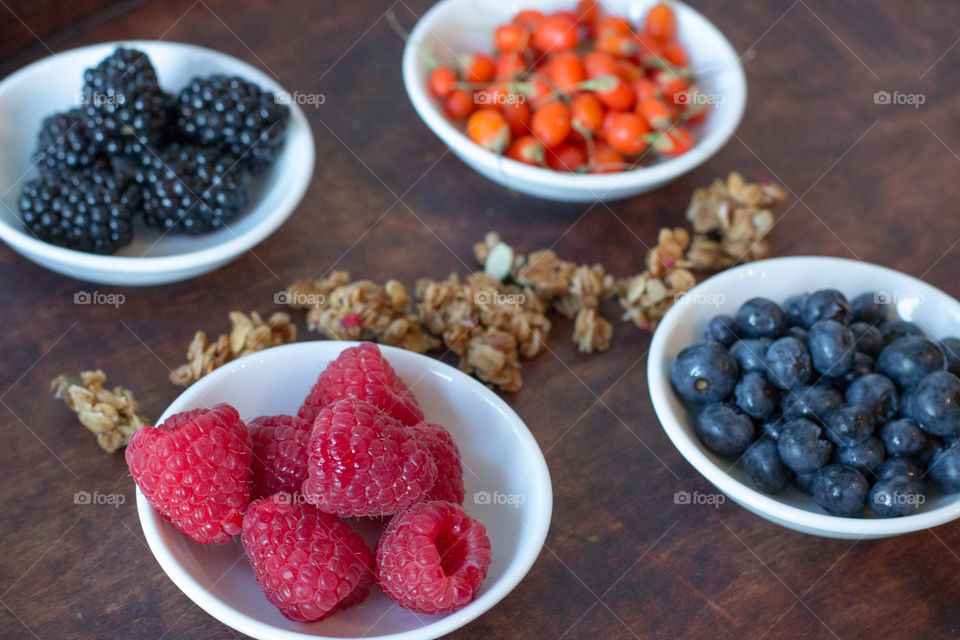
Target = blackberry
(64,143)
(122,98)
(235,115)
(87,210)
(192,190)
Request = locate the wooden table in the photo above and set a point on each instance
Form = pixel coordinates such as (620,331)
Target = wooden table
(871,181)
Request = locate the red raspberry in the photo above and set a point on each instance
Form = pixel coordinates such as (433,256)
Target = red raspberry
(362,373)
(309,564)
(362,462)
(449,484)
(195,470)
(433,558)
(279,454)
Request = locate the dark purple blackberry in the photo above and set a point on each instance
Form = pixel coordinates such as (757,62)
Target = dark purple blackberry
(64,143)
(122,98)
(235,115)
(87,210)
(191,190)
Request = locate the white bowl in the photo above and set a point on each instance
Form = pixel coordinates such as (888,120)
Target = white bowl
(506,479)
(53,84)
(454,27)
(935,311)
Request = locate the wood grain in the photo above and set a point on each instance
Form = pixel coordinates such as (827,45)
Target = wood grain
(874,182)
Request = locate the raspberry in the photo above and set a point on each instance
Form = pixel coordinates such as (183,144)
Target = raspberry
(362,462)
(309,564)
(363,373)
(433,558)
(449,483)
(195,470)
(279,454)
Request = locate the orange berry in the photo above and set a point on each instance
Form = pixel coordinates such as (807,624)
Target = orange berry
(674,142)
(628,72)
(493,96)
(606,160)
(566,70)
(518,113)
(539,89)
(617,44)
(527,150)
(657,114)
(612,25)
(529,19)
(586,111)
(626,133)
(510,65)
(675,54)
(621,98)
(511,37)
(478,68)
(442,81)
(459,104)
(566,157)
(646,89)
(588,11)
(489,129)
(661,23)
(551,123)
(556,33)
(598,63)
(670,84)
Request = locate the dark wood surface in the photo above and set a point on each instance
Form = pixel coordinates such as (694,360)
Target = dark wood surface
(870,181)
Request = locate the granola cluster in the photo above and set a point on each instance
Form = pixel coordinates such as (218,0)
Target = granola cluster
(247,335)
(110,415)
(730,219)
(647,296)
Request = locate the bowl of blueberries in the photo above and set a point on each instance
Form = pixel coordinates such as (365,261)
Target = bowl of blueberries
(819,393)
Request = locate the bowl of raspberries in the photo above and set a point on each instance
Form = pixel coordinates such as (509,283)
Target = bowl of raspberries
(146,162)
(341,490)
(820,393)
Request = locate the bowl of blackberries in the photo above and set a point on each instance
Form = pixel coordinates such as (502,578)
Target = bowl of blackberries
(820,393)
(146,162)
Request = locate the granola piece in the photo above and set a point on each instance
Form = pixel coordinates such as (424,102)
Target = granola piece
(646,298)
(111,415)
(493,357)
(545,273)
(308,294)
(247,335)
(589,286)
(669,252)
(591,331)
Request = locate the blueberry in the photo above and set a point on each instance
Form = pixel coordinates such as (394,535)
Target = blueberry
(831,347)
(801,447)
(908,360)
(793,307)
(877,392)
(898,466)
(765,468)
(895,497)
(951,355)
(933,443)
(750,354)
(896,329)
(772,426)
(867,339)
(849,424)
(704,373)
(804,482)
(935,404)
(810,402)
(799,333)
(725,430)
(761,318)
(755,396)
(721,329)
(869,308)
(944,468)
(862,365)
(903,437)
(866,456)
(788,363)
(828,304)
(840,490)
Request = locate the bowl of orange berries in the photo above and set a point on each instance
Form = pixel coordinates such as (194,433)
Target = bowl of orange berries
(575,101)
